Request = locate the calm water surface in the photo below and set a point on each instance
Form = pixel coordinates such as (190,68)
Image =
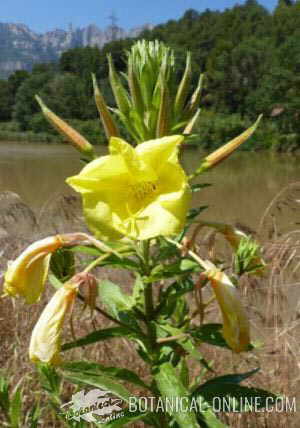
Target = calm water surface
(242,186)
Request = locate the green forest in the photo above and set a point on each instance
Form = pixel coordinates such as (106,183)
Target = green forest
(250,57)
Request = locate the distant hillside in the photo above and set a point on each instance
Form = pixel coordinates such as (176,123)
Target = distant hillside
(20,47)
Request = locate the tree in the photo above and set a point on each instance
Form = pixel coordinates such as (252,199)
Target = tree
(25,104)
(16,79)
(5,101)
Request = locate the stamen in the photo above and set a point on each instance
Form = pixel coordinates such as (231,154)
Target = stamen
(143,189)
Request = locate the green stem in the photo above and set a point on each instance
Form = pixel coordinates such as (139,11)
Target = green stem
(109,317)
(148,293)
(96,262)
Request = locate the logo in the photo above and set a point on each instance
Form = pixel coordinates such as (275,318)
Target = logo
(94,406)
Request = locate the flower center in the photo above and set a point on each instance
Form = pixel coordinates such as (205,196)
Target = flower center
(143,189)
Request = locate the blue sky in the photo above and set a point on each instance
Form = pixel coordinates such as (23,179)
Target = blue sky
(42,15)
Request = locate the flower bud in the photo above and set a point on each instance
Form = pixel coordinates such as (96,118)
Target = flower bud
(26,276)
(77,140)
(45,340)
(236,329)
(226,150)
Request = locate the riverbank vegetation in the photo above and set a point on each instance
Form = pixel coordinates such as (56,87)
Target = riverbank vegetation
(251,61)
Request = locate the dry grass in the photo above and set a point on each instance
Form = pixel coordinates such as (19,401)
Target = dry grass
(273,306)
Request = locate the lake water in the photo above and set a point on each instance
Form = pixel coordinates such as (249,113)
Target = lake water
(243,185)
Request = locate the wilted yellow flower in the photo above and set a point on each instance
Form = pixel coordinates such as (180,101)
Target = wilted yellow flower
(236,329)
(138,192)
(27,274)
(46,336)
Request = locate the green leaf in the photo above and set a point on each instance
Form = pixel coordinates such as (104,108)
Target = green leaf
(170,296)
(170,386)
(49,378)
(189,265)
(138,292)
(169,270)
(231,378)
(99,369)
(207,417)
(124,263)
(4,394)
(98,336)
(104,382)
(120,93)
(34,416)
(194,212)
(119,304)
(184,372)
(62,264)
(113,297)
(15,409)
(187,344)
(212,334)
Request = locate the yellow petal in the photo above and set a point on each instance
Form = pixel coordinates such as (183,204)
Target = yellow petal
(46,336)
(27,274)
(236,329)
(105,172)
(136,165)
(157,152)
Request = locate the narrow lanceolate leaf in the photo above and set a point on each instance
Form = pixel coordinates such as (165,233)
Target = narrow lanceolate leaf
(4,394)
(223,152)
(98,336)
(183,87)
(170,388)
(106,383)
(189,128)
(135,89)
(15,410)
(77,140)
(242,397)
(195,99)
(120,93)
(95,368)
(108,122)
(163,116)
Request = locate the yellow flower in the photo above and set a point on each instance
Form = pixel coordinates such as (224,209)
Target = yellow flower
(236,329)
(46,336)
(138,192)
(26,276)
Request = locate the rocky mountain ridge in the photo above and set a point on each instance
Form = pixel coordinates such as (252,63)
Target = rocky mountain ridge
(21,48)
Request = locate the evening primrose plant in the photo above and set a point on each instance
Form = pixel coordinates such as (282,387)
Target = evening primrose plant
(137,206)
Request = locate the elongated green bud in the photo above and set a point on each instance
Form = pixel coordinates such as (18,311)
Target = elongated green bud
(135,89)
(183,87)
(163,116)
(195,99)
(120,93)
(223,152)
(108,122)
(189,128)
(76,139)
